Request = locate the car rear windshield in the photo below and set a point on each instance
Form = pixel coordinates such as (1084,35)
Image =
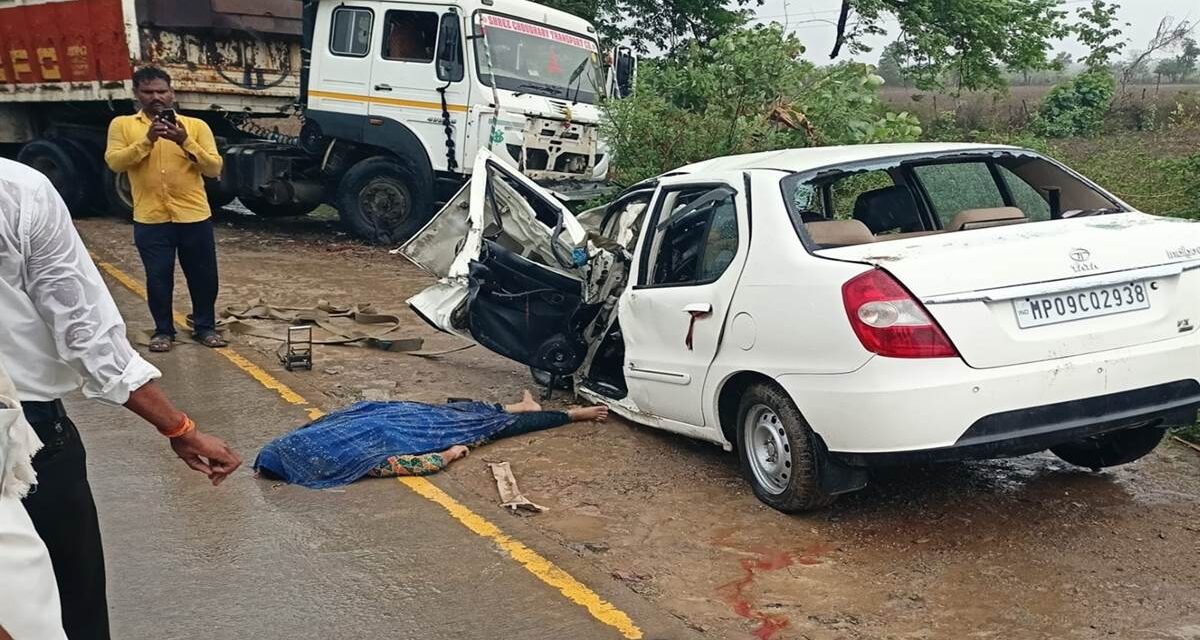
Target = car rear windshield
(924,196)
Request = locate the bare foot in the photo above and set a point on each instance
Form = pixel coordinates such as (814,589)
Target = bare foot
(456,452)
(526,405)
(588,414)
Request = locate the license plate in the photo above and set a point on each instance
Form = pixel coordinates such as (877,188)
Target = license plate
(1037,311)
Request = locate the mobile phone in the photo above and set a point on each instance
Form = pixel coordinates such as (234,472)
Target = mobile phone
(167,115)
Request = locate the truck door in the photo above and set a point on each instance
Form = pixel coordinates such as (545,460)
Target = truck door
(418,61)
(342,54)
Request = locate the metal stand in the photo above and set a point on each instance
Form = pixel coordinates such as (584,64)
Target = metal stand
(298,348)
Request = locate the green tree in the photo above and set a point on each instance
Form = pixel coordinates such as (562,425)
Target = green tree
(664,25)
(748,90)
(1099,31)
(890,67)
(971,41)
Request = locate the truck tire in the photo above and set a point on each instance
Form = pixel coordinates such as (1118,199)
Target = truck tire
(383,202)
(218,195)
(118,194)
(57,160)
(267,210)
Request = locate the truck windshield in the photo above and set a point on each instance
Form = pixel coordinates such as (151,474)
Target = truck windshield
(533,58)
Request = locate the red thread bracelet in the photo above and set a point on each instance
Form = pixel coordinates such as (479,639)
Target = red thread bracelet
(184,428)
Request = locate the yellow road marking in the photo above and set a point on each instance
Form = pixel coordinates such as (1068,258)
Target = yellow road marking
(394,102)
(532,561)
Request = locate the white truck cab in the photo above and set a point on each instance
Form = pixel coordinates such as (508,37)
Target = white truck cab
(413,90)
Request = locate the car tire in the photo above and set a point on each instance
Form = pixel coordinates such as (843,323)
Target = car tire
(543,378)
(61,162)
(118,194)
(1111,449)
(268,210)
(778,451)
(383,202)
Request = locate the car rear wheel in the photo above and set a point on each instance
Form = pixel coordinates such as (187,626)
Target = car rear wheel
(778,451)
(1111,449)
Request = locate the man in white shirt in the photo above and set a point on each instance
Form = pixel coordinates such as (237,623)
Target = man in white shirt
(60,331)
(29,605)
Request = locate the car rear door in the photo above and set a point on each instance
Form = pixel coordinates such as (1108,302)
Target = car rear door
(512,264)
(693,247)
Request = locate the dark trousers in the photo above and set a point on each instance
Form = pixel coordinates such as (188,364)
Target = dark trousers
(64,515)
(532,421)
(193,242)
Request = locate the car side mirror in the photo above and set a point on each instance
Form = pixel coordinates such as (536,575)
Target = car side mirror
(450,66)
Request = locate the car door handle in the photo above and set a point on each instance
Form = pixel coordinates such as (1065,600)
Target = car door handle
(696,310)
(383,87)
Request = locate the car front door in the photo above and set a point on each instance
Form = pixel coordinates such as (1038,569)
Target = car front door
(690,257)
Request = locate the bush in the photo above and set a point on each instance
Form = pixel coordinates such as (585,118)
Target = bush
(1076,107)
(747,91)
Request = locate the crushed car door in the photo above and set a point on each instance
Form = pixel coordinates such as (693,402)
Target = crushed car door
(694,244)
(518,282)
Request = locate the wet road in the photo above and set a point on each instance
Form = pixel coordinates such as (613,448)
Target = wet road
(256,559)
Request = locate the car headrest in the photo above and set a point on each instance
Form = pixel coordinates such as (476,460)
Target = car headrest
(980,218)
(839,233)
(887,209)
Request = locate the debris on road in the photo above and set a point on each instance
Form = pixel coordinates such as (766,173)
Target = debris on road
(510,495)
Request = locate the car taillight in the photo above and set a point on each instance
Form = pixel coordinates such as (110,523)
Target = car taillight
(889,321)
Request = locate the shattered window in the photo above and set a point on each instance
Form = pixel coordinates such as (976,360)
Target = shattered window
(698,239)
(954,188)
(1025,197)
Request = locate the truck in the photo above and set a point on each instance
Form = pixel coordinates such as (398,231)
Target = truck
(374,107)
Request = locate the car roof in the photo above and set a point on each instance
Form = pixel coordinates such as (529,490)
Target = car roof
(807,159)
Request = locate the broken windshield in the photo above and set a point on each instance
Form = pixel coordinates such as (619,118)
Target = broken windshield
(532,58)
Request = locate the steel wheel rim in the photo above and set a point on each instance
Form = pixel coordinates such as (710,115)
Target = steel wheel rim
(767,448)
(386,203)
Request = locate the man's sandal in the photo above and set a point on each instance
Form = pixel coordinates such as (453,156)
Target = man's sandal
(211,339)
(161,343)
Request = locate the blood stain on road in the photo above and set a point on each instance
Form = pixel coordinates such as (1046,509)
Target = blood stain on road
(734,593)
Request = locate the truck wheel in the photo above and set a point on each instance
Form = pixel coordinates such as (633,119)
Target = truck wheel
(1111,449)
(54,159)
(778,451)
(218,195)
(268,210)
(118,194)
(383,202)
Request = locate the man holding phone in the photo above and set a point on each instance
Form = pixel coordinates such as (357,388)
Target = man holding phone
(167,157)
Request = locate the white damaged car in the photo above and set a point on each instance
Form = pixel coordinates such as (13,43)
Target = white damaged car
(825,310)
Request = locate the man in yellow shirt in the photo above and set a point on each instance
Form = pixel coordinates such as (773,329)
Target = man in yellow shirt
(167,157)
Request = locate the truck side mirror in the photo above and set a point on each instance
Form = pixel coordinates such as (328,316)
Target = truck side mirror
(625,65)
(450,66)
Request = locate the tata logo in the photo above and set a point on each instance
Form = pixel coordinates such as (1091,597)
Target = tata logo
(1083,261)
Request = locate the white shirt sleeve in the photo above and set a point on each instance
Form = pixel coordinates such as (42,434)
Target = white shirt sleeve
(70,296)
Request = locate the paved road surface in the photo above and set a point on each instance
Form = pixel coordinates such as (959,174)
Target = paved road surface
(255,559)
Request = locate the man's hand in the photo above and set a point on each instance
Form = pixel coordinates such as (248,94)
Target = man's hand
(175,133)
(158,129)
(207,454)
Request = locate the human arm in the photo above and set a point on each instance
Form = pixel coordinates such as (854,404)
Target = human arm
(121,155)
(89,333)
(199,144)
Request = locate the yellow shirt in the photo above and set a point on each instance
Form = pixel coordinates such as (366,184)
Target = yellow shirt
(167,180)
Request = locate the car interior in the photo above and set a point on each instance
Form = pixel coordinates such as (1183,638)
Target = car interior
(920,198)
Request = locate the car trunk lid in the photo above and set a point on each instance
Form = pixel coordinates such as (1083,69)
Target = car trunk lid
(1041,291)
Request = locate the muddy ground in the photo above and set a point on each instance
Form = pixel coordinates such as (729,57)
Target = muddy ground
(1026,548)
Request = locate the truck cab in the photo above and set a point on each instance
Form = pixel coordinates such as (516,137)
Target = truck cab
(399,96)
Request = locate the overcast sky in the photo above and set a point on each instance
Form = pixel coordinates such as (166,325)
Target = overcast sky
(814,22)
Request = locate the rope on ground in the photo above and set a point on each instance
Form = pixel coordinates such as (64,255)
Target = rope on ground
(324,316)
